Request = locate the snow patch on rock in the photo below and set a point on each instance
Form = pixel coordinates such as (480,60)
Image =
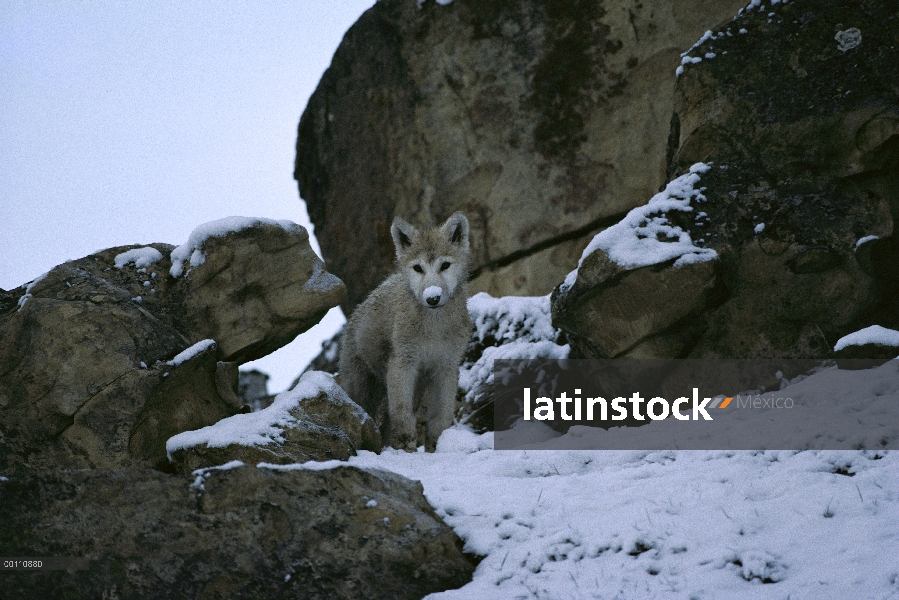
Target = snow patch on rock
(645,236)
(141,257)
(191,249)
(875,334)
(262,427)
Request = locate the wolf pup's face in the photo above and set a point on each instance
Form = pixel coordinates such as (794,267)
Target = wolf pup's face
(434,261)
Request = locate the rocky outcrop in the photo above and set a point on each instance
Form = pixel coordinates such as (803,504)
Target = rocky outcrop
(238,532)
(541,122)
(258,285)
(110,362)
(104,358)
(316,420)
(641,284)
(794,112)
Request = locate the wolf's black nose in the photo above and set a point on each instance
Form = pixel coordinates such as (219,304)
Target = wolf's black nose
(433,300)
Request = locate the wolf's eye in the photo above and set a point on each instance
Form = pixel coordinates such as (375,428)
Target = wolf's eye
(418,269)
(444,266)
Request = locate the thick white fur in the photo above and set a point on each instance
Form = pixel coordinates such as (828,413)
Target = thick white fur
(402,347)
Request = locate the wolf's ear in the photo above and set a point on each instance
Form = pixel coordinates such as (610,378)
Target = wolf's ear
(402,234)
(456,230)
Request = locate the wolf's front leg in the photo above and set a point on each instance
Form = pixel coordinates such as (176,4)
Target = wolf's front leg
(442,404)
(401,374)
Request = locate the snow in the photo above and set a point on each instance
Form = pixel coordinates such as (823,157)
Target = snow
(262,427)
(202,474)
(511,327)
(663,524)
(865,240)
(875,334)
(433,291)
(848,39)
(189,353)
(759,228)
(191,249)
(523,318)
(708,35)
(141,257)
(635,241)
(27,295)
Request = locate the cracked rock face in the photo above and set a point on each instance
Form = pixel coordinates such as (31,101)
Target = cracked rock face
(542,122)
(802,135)
(87,376)
(239,533)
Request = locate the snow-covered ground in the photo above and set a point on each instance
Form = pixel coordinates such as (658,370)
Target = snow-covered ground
(664,524)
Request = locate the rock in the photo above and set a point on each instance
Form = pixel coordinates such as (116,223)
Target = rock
(242,532)
(84,381)
(641,283)
(252,389)
(646,314)
(813,177)
(259,286)
(87,350)
(798,202)
(541,122)
(316,420)
(874,342)
(127,424)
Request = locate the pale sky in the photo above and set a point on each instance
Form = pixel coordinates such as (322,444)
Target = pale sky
(134,122)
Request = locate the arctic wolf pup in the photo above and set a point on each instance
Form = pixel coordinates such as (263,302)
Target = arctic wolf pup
(403,345)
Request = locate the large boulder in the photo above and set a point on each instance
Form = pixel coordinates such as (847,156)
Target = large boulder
(252,285)
(104,358)
(641,284)
(789,119)
(232,532)
(542,122)
(315,420)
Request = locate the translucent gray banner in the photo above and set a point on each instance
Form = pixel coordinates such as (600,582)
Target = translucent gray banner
(696,404)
